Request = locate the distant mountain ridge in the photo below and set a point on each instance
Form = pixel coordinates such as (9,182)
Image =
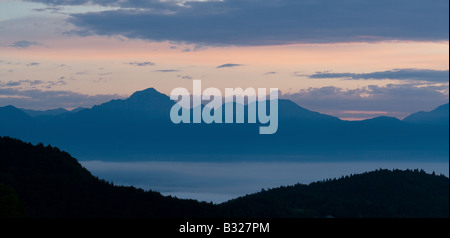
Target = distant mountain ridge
(439,116)
(51,112)
(139,128)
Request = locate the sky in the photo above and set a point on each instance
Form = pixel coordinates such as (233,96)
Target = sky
(351,59)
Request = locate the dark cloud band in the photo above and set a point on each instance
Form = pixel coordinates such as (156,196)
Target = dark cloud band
(441,76)
(259,22)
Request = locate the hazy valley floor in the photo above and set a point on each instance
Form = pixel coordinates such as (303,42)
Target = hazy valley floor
(221,181)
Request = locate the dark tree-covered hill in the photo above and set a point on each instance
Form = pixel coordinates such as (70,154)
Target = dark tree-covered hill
(10,205)
(381,193)
(50,183)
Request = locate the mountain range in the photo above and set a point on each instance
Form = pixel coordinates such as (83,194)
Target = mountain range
(139,128)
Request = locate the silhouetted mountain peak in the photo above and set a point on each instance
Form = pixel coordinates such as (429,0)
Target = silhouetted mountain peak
(12,111)
(8,108)
(147,101)
(444,108)
(148,95)
(11,116)
(438,116)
